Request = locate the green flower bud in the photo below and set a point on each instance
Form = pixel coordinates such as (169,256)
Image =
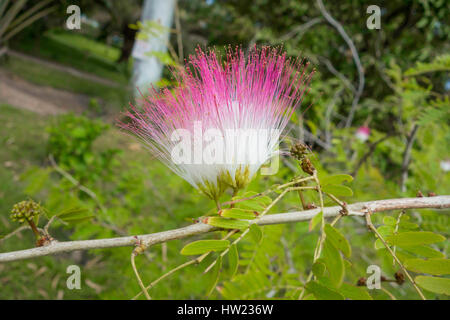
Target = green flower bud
(25,211)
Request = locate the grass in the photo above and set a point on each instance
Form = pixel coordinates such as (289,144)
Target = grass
(77,51)
(22,137)
(77,41)
(45,76)
(24,140)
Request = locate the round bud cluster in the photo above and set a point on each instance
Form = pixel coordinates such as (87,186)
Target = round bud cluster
(299,150)
(25,211)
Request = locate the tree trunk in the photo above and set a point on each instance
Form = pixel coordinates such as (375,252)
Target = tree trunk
(147,70)
(128,42)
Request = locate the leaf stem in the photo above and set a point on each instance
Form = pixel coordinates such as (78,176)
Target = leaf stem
(372,228)
(322,228)
(34,228)
(141,284)
(181,266)
(282,194)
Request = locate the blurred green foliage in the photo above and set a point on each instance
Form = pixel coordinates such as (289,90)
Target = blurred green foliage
(70,142)
(406,74)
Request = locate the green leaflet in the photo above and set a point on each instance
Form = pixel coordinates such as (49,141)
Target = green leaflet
(334,262)
(233,259)
(355,293)
(214,276)
(203,246)
(227,223)
(335,179)
(318,268)
(323,293)
(256,232)
(434,284)
(430,266)
(337,190)
(237,213)
(338,240)
(258,203)
(407,239)
(425,251)
(74,215)
(388,220)
(316,220)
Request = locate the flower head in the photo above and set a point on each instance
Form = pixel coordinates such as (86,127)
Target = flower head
(445,165)
(224,120)
(363,133)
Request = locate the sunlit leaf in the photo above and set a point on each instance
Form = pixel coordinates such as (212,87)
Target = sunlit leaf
(430,266)
(434,284)
(407,239)
(425,251)
(338,190)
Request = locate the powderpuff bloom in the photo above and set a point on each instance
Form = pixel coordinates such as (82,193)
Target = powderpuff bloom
(224,119)
(363,133)
(445,165)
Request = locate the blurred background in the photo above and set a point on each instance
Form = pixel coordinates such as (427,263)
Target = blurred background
(378,109)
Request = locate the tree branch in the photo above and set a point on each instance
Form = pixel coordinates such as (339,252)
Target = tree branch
(366,156)
(355,55)
(407,156)
(438,202)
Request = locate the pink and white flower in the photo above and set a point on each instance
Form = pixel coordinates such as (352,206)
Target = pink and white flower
(363,133)
(240,94)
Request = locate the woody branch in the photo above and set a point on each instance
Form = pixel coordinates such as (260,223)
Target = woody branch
(356,209)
